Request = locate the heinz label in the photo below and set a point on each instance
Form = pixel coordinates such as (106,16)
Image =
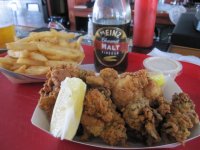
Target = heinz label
(110,45)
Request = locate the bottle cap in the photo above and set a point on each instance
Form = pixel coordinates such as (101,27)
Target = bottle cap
(170,68)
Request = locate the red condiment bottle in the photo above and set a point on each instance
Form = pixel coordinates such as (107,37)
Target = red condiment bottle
(144,22)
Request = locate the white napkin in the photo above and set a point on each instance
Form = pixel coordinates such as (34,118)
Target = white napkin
(179,57)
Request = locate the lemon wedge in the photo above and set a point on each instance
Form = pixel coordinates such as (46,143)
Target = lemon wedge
(159,78)
(68,108)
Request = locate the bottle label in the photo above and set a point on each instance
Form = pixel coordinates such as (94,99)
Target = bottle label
(111,46)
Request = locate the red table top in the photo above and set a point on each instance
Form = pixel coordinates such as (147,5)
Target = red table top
(18,101)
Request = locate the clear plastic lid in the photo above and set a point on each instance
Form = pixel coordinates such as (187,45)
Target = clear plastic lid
(163,65)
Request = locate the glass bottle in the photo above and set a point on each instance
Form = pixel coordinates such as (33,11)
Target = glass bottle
(111,24)
(88,38)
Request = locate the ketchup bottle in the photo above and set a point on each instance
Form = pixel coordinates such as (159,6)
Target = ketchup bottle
(144,22)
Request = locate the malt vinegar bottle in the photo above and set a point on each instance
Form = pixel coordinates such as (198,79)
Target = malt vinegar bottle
(111,24)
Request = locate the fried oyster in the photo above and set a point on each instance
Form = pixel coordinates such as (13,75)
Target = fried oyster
(130,106)
(141,119)
(100,119)
(129,87)
(181,119)
(51,87)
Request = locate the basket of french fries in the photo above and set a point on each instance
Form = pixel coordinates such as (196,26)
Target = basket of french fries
(29,59)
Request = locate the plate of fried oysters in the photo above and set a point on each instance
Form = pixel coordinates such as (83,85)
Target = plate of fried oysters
(123,111)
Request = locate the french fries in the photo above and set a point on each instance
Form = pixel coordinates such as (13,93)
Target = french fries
(36,70)
(19,46)
(29,62)
(54,63)
(7,60)
(60,51)
(21,69)
(35,54)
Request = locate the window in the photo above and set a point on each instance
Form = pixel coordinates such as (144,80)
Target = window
(33,7)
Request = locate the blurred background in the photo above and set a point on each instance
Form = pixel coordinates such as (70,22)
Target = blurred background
(73,15)
(37,13)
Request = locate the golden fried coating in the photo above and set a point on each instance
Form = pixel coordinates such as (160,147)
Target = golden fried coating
(140,77)
(133,116)
(115,133)
(95,81)
(106,78)
(47,103)
(129,87)
(161,105)
(100,119)
(96,104)
(181,119)
(117,105)
(92,126)
(140,117)
(83,74)
(109,76)
(177,126)
(152,90)
(124,92)
(51,87)
(181,102)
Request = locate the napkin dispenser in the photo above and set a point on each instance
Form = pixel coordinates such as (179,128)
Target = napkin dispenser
(185,38)
(185,32)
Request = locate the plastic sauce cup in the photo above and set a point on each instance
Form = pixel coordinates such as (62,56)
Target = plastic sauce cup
(168,67)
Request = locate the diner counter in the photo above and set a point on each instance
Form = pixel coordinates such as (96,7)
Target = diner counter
(18,101)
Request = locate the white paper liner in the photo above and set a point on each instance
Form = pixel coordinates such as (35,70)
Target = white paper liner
(21,78)
(40,120)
